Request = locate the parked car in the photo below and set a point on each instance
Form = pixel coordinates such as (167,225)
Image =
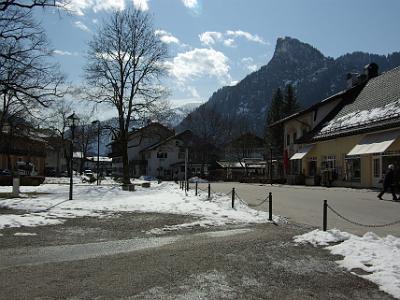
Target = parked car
(148,178)
(88,173)
(5,172)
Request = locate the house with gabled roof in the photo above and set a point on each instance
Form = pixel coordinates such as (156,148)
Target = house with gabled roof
(138,140)
(355,140)
(166,159)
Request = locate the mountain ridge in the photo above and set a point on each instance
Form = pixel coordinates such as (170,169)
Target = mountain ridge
(313,75)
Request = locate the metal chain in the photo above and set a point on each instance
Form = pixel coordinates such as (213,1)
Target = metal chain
(240,199)
(261,203)
(360,224)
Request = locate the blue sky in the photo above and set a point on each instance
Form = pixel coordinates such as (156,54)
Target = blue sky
(213,43)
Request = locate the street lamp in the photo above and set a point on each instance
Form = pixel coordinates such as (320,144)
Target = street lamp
(71,121)
(98,148)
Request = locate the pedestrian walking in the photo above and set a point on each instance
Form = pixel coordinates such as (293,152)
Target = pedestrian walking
(388,183)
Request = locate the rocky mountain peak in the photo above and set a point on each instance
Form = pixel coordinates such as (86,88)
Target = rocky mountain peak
(295,50)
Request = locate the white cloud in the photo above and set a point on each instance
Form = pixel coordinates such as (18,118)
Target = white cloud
(229,43)
(166,37)
(248,63)
(250,37)
(81,26)
(95,21)
(210,37)
(109,5)
(65,53)
(190,3)
(141,4)
(200,62)
(193,92)
(79,7)
(233,82)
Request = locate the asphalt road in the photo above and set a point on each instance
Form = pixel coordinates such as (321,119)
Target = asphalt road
(303,205)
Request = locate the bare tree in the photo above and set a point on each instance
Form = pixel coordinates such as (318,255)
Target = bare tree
(57,124)
(125,63)
(86,135)
(27,78)
(7,4)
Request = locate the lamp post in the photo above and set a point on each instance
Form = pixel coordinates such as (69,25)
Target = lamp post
(270,170)
(71,122)
(98,148)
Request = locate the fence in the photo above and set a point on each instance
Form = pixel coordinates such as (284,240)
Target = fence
(325,208)
(184,185)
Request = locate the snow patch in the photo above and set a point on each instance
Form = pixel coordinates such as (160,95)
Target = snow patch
(24,234)
(380,257)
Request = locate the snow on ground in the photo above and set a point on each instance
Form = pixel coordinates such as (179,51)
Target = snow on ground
(379,257)
(24,234)
(49,205)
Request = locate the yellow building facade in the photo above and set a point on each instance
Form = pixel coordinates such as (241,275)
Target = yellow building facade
(348,139)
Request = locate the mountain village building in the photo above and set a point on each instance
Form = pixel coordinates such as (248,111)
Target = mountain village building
(348,139)
(139,139)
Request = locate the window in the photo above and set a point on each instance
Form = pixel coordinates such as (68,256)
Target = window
(288,139)
(294,137)
(328,162)
(162,155)
(181,155)
(182,168)
(377,167)
(312,166)
(353,169)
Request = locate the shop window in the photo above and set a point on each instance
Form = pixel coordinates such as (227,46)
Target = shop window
(328,162)
(353,169)
(296,167)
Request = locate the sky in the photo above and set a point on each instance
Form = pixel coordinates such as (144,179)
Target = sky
(213,43)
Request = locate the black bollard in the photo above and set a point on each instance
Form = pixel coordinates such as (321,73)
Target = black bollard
(196,187)
(325,215)
(270,206)
(233,197)
(209,191)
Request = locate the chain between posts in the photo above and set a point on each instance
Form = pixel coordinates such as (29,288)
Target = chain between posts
(360,224)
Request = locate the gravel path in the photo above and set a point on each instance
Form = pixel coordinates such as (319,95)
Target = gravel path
(257,262)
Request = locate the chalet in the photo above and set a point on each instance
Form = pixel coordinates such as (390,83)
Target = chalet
(139,139)
(246,146)
(349,138)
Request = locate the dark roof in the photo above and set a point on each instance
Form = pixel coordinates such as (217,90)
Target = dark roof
(341,94)
(376,107)
(181,136)
(247,138)
(149,127)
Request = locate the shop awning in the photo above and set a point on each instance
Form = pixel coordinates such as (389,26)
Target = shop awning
(302,152)
(375,143)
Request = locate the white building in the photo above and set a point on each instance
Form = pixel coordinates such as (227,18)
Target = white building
(139,139)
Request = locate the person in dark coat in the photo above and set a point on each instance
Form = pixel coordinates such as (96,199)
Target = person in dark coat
(388,183)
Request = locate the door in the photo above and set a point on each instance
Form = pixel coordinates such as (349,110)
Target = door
(377,171)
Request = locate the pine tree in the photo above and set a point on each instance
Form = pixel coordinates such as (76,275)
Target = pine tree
(274,136)
(290,105)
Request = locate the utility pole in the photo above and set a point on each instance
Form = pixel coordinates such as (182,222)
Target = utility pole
(186,166)
(98,149)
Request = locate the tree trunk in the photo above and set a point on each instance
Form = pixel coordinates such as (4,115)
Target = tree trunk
(125,159)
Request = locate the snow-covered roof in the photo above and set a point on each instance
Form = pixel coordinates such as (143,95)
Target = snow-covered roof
(101,158)
(376,107)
